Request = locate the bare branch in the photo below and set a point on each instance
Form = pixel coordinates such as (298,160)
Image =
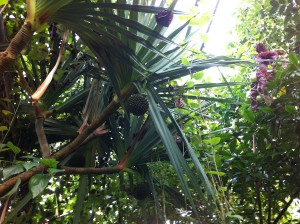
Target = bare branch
(91,170)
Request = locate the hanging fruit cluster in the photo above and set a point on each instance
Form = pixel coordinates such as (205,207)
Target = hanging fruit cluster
(265,59)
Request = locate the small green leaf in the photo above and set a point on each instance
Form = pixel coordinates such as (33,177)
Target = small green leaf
(215,173)
(38,183)
(14,148)
(204,37)
(198,75)
(190,84)
(12,170)
(3,128)
(194,105)
(213,141)
(248,115)
(50,162)
(293,59)
(2,2)
(12,191)
(290,109)
(6,112)
(185,61)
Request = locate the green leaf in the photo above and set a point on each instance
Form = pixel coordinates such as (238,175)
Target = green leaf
(13,190)
(248,115)
(237,217)
(14,148)
(185,61)
(38,52)
(213,141)
(215,173)
(38,183)
(29,165)
(3,128)
(198,75)
(293,59)
(204,37)
(2,2)
(190,84)
(6,112)
(12,170)
(54,170)
(290,109)
(49,162)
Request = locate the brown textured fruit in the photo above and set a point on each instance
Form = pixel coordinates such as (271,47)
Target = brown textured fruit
(141,191)
(137,104)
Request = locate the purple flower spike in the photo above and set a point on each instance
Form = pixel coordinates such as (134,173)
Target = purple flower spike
(164,18)
(261,48)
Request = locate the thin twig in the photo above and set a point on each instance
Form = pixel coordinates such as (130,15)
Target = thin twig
(4,210)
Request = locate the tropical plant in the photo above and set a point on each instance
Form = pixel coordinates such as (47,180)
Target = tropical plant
(261,158)
(75,120)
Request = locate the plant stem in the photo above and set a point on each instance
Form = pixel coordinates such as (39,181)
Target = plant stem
(259,202)
(91,170)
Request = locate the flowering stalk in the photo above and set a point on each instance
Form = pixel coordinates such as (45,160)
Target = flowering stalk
(264,58)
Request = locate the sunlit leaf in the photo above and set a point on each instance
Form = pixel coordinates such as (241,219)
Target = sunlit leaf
(49,162)
(213,141)
(198,75)
(2,2)
(185,61)
(215,173)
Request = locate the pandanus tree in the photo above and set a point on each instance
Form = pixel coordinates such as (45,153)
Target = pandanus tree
(76,119)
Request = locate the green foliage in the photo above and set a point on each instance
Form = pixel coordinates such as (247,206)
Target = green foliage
(186,153)
(38,183)
(259,157)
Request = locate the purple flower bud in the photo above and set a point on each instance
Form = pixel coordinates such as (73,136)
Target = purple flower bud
(164,18)
(179,102)
(261,48)
(263,57)
(262,76)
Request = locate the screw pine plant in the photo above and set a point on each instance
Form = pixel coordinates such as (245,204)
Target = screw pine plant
(114,49)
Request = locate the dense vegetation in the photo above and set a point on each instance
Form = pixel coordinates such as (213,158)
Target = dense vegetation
(109,117)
